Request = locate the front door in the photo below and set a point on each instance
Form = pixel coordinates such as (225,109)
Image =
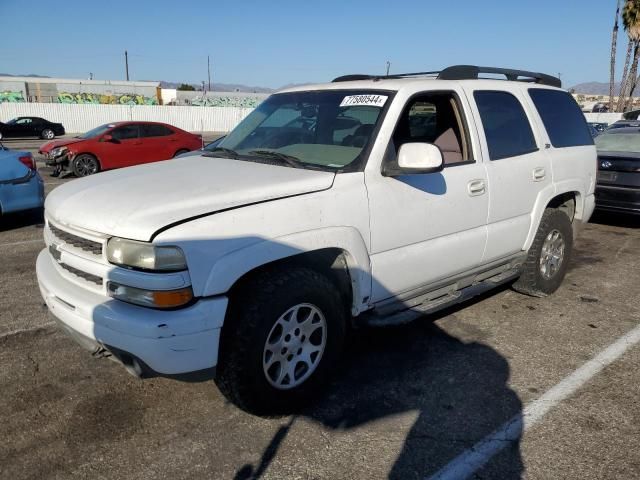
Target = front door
(124,149)
(428,227)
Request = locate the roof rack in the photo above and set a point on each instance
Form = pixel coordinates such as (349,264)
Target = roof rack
(465,72)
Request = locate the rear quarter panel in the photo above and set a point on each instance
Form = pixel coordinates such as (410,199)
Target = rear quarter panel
(573,170)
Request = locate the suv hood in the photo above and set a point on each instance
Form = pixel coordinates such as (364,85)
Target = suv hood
(136,202)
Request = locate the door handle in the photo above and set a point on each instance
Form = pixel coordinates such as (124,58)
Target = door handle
(538,174)
(476,187)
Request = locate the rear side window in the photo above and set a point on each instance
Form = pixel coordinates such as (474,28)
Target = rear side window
(562,118)
(505,124)
(154,131)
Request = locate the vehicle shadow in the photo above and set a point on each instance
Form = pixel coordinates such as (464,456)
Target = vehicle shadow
(615,219)
(458,390)
(11,221)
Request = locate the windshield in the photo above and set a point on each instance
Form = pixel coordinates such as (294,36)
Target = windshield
(326,129)
(12,121)
(618,142)
(96,131)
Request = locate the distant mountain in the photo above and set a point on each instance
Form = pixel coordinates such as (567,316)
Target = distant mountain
(29,75)
(595,88)
(221,87)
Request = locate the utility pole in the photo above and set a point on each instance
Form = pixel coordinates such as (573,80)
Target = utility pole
(126,63)
(209,72)
(388,66)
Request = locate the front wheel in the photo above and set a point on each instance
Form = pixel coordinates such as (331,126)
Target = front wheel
(284,333)
(549,255)
(85,164)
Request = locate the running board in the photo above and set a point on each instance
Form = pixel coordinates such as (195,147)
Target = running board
(376,319)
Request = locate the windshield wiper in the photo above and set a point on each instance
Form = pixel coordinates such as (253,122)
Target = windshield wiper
(289,159)
(231,153)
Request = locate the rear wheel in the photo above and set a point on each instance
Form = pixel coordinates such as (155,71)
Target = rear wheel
(284,333)
(47,134)
(85,164)
(549,255)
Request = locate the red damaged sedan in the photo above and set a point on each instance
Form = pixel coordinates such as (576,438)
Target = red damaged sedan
(116,145)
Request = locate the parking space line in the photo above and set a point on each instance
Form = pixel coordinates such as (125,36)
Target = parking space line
(23,242)
(473,459)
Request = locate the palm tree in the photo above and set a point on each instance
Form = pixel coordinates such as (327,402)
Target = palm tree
(614,42)
(631,23)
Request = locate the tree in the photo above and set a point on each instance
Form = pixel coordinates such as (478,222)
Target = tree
(614,42)
(631,23)
(185,87)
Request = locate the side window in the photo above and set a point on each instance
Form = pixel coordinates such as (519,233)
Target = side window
(150,130)
(561,117)
(24,121)
(505,124)
(434,118)
(126,132)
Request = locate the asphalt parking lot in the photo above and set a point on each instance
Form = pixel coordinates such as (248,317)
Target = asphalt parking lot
(407,402)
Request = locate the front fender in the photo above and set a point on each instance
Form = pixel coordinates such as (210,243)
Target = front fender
(232,266)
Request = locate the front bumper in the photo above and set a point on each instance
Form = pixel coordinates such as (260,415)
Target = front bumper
(53,161)
(168,342)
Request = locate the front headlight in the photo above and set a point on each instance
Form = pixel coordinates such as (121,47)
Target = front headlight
(56,152)
(145,256)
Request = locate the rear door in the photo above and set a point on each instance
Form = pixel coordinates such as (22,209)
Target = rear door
(517,168)
(159,142)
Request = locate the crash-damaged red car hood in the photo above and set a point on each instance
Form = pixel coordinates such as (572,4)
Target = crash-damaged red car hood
(47,147)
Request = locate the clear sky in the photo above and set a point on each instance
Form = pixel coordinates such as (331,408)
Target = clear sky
(273,43)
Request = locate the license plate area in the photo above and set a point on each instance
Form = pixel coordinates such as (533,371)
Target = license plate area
(607,176)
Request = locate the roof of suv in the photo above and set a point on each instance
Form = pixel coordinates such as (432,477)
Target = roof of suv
(455,74)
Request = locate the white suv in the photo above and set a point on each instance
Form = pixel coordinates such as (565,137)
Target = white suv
(365,201)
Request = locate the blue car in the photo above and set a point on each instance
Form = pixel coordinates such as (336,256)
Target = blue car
(21,187)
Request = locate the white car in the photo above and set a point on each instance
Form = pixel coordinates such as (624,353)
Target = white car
(366,201)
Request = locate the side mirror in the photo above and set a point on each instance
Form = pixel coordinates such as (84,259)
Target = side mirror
(417,158)
(107,138)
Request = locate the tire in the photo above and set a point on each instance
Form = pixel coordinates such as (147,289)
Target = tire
(248,371)
(539,277)
(47,134)
(85,164)
(180,152)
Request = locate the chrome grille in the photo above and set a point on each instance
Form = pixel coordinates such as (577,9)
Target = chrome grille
(84,275)
(78,242)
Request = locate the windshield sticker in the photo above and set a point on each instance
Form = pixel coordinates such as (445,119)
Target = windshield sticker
(364,100)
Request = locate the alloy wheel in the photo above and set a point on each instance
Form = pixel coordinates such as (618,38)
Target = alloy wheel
(294,346)
(552,254)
